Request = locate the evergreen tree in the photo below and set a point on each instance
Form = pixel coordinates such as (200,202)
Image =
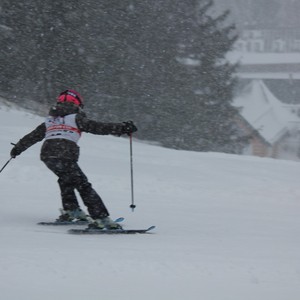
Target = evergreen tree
(159,62)
(190,85)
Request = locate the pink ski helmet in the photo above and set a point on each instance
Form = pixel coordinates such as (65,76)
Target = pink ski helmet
(71,96)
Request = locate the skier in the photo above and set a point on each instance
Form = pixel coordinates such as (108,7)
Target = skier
(61,131)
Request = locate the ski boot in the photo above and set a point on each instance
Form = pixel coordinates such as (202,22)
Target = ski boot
(72,215)
(104,223)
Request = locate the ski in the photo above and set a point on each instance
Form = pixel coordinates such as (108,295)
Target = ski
(109,231)
(62,223)
(77,222)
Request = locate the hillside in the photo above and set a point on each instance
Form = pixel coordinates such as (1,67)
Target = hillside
(227,226)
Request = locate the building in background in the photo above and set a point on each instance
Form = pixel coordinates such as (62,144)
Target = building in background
(257,40)
(274,127)
(268,99)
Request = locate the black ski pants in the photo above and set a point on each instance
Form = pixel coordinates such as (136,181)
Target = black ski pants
(71,177)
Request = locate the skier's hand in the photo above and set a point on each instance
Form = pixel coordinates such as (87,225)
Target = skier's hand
(15,151)
(128,127)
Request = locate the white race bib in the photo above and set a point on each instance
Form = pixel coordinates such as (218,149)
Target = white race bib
(62,128)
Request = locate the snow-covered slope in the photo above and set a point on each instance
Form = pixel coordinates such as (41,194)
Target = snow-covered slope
(228,227)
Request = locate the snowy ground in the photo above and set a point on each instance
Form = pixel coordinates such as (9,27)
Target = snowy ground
(228,227)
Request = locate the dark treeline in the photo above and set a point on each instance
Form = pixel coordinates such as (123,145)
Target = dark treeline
(159,63)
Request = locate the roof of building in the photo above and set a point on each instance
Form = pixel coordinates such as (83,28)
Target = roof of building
(261,58)
(264,112)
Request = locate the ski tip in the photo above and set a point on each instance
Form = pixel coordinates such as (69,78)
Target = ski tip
(121,219)
(151,228)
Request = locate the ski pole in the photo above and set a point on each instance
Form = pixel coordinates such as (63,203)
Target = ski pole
(8,160)
(6,164)
(132,206)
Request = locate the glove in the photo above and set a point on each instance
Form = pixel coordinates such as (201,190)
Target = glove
(128,127)
(15,151)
